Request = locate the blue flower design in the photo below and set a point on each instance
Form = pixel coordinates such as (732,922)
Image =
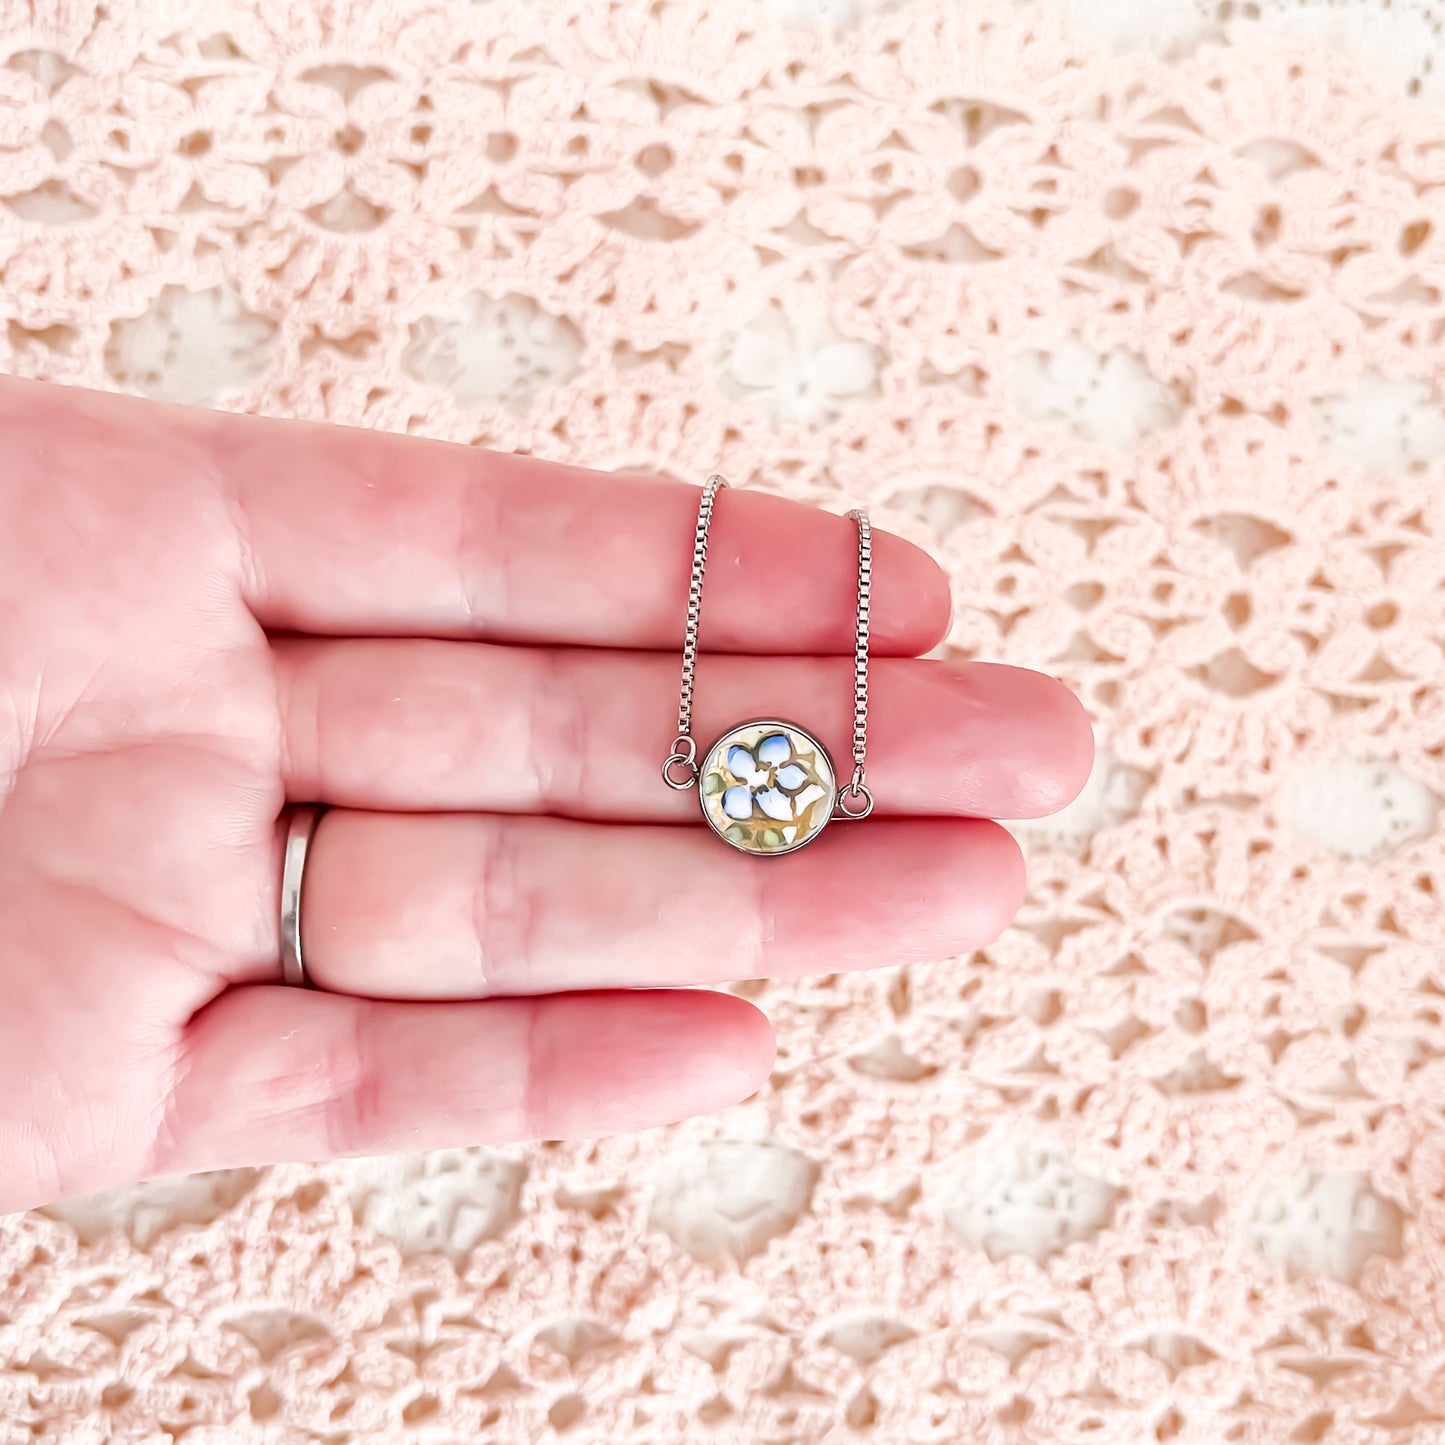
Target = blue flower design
(770,780)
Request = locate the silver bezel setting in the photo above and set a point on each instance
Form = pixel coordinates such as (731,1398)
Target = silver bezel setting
(783,725)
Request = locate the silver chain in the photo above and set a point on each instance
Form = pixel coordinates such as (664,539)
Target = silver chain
(684,748)
(857,790)
(680,771)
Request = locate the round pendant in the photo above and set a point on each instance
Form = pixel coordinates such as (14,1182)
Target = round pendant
(767,787)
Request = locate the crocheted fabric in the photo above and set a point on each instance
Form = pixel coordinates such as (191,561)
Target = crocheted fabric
(1131,313)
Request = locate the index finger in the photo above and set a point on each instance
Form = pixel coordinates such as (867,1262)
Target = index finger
(366,533)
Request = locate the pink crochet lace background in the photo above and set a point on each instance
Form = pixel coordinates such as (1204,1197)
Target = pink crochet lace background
(1133,314)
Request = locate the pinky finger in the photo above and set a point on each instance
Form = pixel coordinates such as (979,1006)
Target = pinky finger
(280,1074)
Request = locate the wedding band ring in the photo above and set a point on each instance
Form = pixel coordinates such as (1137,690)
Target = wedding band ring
(300,830)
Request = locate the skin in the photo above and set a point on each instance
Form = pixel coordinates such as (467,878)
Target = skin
(473,658)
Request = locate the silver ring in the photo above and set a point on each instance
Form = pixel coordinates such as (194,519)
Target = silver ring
(300,830)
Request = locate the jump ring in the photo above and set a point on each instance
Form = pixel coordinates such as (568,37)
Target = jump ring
(855,790)
(689,777)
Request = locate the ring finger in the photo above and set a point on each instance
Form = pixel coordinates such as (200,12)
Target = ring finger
(473,906)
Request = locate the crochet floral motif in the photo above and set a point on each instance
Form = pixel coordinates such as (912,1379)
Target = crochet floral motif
(1132,315)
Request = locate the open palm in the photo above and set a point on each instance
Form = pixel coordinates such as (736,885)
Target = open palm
(472,659)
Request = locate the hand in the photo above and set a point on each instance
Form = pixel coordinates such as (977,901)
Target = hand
(474,658)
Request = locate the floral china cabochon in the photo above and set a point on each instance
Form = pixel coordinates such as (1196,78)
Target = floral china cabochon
(767,787)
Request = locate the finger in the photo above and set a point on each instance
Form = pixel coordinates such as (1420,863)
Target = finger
(437,725)
(271,1074)
(341,531)
(468,906)
(363,533)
